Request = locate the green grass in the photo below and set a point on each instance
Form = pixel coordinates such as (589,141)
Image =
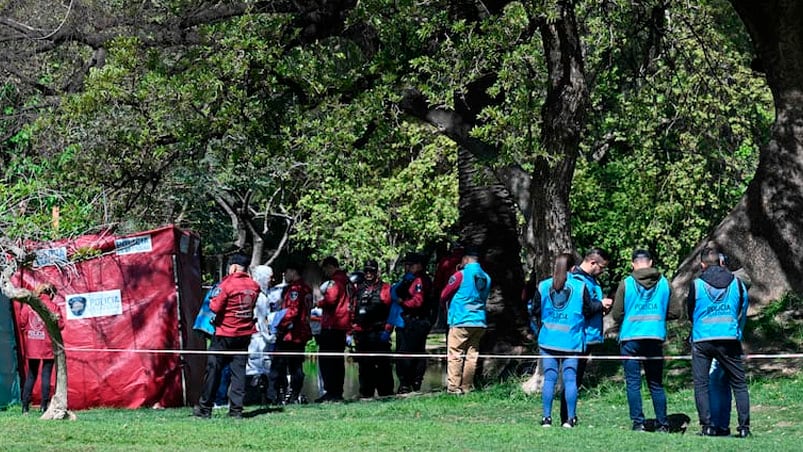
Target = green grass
(498,418)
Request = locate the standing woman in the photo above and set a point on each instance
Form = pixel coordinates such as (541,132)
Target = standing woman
(38,347)
(563,304)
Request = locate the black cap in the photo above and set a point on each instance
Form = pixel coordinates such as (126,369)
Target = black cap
(415,258)
(239,259)
(472,251)
(641,254)
(370,265)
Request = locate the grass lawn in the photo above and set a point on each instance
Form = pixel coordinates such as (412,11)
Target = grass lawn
(498,418)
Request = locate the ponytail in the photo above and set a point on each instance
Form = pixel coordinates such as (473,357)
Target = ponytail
(563,263)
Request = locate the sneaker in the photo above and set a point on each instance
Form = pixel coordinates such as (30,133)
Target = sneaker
(743,432)
(404,390)
(638,427)
(571,423)
(546,421)
(454,391)
(220,407)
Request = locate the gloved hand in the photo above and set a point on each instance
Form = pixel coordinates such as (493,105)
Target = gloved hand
(384,337)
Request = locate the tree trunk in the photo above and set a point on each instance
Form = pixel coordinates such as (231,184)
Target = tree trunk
(765,230)
(548,231)
(488,220)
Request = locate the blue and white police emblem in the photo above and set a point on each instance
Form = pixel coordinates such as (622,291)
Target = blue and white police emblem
(294,295)
(418,287)
(452,279)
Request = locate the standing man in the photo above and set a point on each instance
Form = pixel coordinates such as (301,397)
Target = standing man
(640,308)
(717,306)
(293,332)
(234,324)
(372,306)
(335,322)
(413,293)
(594,264)
(465,296)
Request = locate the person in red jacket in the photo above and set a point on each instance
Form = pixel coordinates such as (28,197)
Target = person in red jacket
(234,324)
(292,335)
(415,297)
(371,309)
(335,323)
(38,346)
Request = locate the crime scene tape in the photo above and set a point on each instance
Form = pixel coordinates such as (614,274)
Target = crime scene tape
(416,355)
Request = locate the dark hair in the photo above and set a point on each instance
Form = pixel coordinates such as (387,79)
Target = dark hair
(710,256)
(239,259)
(292,265)
(330,261)
(597,252)
(563,263)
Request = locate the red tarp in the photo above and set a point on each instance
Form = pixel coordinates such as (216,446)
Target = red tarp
(140,294)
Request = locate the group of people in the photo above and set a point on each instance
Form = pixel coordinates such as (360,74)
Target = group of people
(568,308)
(360,311)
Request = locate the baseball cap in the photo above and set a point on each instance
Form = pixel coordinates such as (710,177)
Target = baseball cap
(641,254)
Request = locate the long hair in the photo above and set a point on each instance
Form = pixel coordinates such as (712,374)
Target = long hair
(563,263)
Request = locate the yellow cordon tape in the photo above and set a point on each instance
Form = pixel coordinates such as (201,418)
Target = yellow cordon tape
(419,355)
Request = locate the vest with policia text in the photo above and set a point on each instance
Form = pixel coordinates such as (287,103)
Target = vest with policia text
(718,313)
(593,326)
(562,318)
(645,310)
(467,308)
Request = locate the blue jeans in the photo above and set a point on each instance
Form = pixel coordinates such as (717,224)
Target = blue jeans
(653,370)
(719,394)
(552,362)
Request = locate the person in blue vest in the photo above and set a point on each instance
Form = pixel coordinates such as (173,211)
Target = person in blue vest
(640,310)
(465,296)
(717,306)
(594,263)
(564,304)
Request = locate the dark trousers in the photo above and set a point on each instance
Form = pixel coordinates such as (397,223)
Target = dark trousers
(412,339)
(281,365)
(582,364)
(214,369)
(653,371)
(376,372)
(333,368)
(728,354)
(30,379)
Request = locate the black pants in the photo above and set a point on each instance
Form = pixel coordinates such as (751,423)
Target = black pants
(281,365)
(582,364)
(333,368)
(729,355)
(30,379)
(412,339)
(214,368)
(376,372)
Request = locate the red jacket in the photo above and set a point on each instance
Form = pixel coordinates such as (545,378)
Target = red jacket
(336,303)
(295,323)
(234,306)
(420,289)
(35,337)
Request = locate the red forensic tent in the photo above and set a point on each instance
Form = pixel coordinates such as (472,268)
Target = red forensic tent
(139,294)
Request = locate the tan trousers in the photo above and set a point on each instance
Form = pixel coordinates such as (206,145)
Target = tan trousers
(462,340)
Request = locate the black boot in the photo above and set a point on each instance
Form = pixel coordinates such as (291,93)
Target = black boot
(45,404)
(25,407)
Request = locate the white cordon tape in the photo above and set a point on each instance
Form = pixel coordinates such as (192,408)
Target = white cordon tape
(417,355)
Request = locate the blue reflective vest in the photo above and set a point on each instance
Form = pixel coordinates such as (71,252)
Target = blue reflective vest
(467,307)
(645,310)
(562,318)
(593,325)
(719,313)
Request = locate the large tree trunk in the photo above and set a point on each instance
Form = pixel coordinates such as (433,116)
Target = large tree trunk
(548,230)
(488,220)
(765,230)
